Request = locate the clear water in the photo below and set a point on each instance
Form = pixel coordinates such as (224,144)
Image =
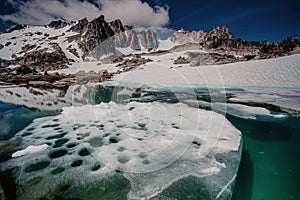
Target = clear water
(14,118)
(271,160)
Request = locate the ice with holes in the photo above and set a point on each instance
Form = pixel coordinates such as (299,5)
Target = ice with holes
(153,145)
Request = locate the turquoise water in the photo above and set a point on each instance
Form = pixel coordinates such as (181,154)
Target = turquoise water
(14,118)
(271,160)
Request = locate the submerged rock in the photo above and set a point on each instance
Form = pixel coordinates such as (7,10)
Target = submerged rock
(7,148)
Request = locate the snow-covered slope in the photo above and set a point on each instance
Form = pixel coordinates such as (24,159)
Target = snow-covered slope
(278,72)
(33,38)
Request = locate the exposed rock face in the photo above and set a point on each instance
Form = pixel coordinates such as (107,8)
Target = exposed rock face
(42,60)
(181,60)
(57,24)
(200,59)
(80,26)
(97,40)
(186,47)
(117,26)
(214,38)
(132,63)
(132,40)
(182,36)
(148,40)
(219,40)
(15,28)
(4,63)
(23,70)
(127,37)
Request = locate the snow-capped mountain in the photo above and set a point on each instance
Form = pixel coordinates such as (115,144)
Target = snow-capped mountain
(60,44)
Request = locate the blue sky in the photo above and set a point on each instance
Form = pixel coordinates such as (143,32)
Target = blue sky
(251,20)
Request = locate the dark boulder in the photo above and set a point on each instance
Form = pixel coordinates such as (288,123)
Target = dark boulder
(15,28)
(57,24)
(23,70)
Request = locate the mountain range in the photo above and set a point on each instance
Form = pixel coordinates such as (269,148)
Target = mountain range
(60,45)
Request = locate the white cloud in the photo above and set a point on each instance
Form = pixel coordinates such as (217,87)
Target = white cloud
(131,12)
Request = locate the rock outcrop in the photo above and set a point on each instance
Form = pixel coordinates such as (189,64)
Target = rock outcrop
(57,24)
(43,60)
(80,26)
(148,39)
(97,40)
(219,40)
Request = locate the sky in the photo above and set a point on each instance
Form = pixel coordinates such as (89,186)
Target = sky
(254,20)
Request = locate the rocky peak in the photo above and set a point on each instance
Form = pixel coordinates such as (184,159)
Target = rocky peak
(127,27)
(220,32)
(17,27)
(181,30)
(96,40)
(117,26)
(80,26)
(57,24)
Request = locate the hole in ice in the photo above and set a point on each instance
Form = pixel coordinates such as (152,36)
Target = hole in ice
(84,152)
(64,187)
(34,181)
(56,136)
(31,129)
(57,154)
(143,155)
(100,126)
(71,145)
(120,149)
(174,126)
(26,134)
(84,135)
(55,120)
(57,128)
(131,108)
(146,162)
(95,142)
(60,142)
(92,125)
(77,163)
(114,139)
(140,139)
(58,170)
(106,134)
(124,158)
(50,126)
(196,143)
(142,125)
(37,166)
(96,167)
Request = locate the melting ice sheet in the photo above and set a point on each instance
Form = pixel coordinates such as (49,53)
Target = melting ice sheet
(240,111)
(152,144)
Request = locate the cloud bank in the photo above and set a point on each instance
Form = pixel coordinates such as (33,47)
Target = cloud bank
(131,12)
